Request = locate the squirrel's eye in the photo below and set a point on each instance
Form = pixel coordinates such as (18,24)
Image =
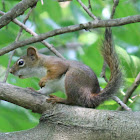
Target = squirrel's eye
(21,63)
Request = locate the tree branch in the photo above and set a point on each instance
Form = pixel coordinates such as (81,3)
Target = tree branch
(26,98)
(130,91)
(72,28)
(49,46)
(89,5)
(19,9)
(116,2)
(75,123)
(85,124)
(123,105)
(87,10)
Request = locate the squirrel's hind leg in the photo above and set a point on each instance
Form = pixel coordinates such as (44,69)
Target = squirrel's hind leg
(54,99)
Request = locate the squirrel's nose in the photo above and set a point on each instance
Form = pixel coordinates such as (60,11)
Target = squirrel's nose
(11,71)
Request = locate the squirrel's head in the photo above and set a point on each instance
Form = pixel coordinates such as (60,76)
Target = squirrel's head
(26,66)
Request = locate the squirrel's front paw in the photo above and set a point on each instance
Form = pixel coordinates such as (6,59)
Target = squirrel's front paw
(42,83)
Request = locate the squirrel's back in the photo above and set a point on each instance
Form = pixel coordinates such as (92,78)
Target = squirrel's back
(77,74)
(82,85)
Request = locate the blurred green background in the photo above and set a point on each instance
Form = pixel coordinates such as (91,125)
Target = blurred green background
(81,45)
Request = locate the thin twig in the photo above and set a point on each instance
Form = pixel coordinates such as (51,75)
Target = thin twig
(130,91)
(115,98)
(87,10)
(4,9)
(49,46)
(8,67)
(116,2)
(89,5)
(3,4)
(13,52)
(24,21)
(134,99)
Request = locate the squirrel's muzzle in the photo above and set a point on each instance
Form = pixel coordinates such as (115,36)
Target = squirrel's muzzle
(11,71)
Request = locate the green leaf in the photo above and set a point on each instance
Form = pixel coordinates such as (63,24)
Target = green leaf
(15,118)
(53,9)
(129,63)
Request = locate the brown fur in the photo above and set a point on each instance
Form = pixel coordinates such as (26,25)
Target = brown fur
(55,69)
(31,58)
(81,84)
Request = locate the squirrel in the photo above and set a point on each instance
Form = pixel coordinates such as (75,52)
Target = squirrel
(75,79)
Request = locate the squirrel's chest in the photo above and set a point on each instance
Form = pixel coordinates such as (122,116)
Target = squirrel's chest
(56,84)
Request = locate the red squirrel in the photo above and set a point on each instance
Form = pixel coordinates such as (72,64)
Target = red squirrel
(75,79)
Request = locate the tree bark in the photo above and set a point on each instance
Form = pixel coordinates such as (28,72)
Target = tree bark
(75,123)
(64,122)
(16,11)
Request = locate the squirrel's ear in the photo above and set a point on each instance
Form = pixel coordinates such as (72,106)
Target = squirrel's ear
(32,52)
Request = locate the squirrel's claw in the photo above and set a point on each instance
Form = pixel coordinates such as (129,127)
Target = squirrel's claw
(42,83)
(53,99)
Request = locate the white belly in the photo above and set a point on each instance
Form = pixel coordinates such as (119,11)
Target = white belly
(53,86)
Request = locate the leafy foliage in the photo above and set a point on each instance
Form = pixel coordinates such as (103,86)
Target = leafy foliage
(53,15)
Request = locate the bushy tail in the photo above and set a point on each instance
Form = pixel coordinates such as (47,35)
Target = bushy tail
(110,56)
